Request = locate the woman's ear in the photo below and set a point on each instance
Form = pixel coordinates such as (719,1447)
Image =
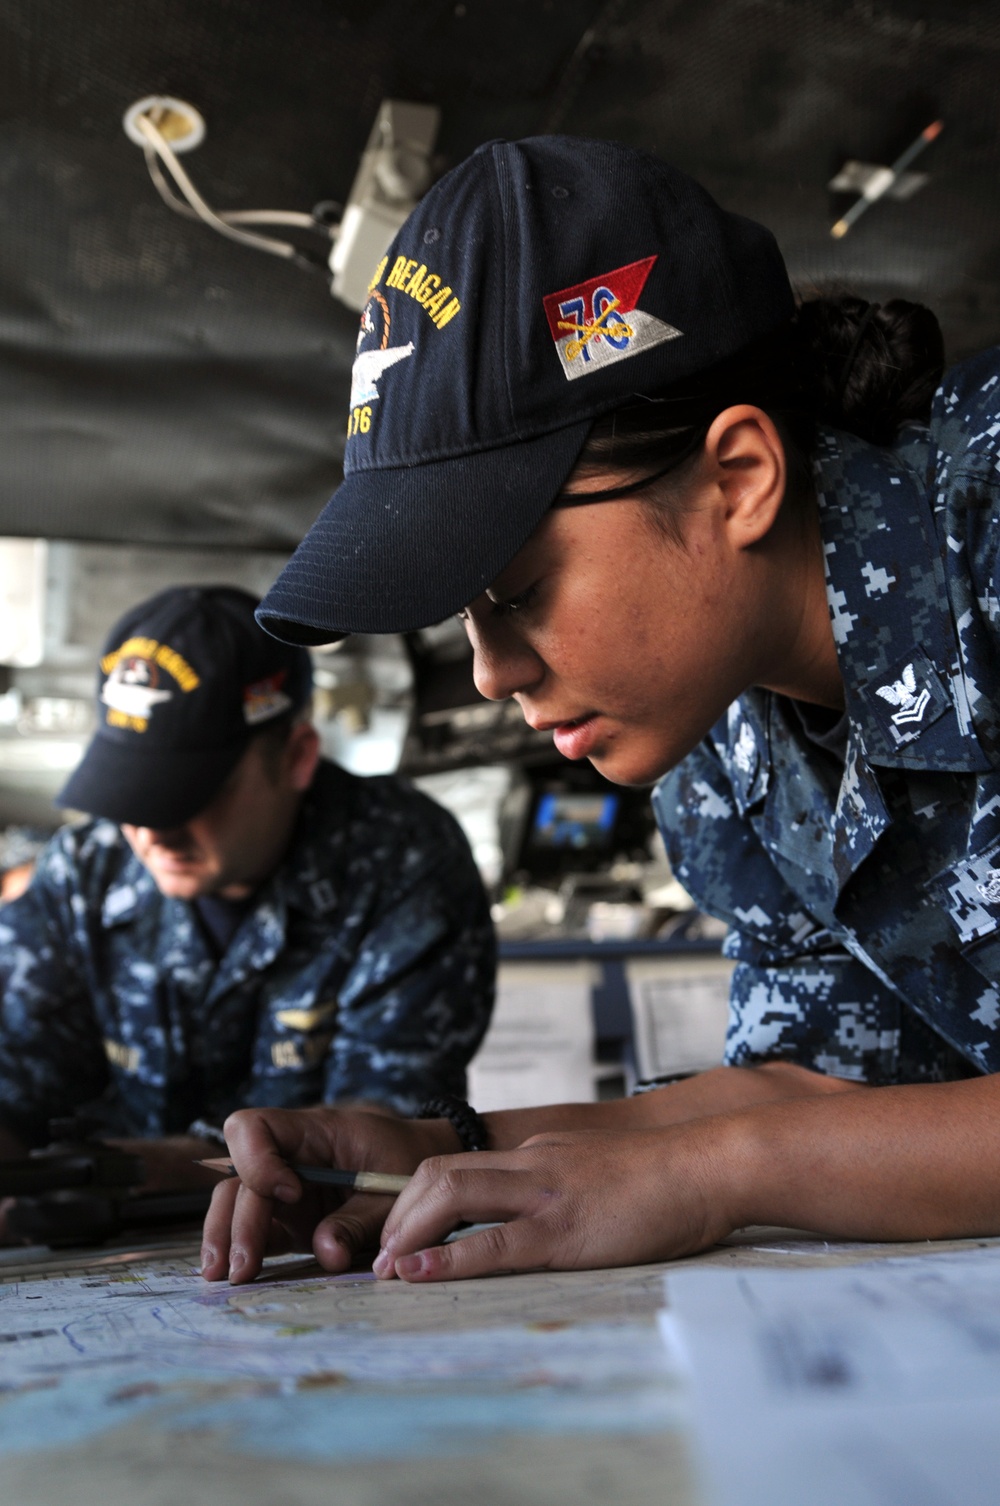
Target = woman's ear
(746,457)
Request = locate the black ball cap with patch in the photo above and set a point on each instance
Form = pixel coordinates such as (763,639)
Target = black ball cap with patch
(536,286)
(185,680)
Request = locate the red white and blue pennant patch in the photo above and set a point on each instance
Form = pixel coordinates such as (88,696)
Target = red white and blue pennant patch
(599,322)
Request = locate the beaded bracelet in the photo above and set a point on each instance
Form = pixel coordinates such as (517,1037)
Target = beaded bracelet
(650,1084)
(467,1124)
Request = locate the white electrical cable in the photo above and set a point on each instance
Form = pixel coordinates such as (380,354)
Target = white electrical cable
(273,217)
(195,206)
(231,216)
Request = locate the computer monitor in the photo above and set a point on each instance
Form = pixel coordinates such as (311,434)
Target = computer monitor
(561,819)
(578,822)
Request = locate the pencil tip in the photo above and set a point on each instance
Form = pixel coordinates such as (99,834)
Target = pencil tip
(839,229)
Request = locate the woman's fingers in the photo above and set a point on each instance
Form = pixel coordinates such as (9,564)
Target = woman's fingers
(522,1244)
(450,1190)
(241,1227)
(566,1201)
(269,1209)
(560,1201)
(250,1234)
(349,1232)
(261,1143)
(215,1235)
(237,1234)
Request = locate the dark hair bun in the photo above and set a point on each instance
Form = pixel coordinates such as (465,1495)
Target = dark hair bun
(875,366)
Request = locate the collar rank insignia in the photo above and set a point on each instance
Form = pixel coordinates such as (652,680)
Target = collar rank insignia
(599,322)
(745,749)
(903,694)
(907,698)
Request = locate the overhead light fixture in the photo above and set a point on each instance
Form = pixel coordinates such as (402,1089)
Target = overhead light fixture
(177,122)
(395,170)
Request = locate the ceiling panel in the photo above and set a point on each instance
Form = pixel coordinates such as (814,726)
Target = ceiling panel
(160,385)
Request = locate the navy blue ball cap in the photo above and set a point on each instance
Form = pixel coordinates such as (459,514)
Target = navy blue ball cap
(537,286)
(421,553)
(184,681)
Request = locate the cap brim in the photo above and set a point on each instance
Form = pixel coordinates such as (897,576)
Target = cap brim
(402,548)
(160,788)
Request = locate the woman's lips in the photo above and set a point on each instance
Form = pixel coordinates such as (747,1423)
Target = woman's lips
(575,739)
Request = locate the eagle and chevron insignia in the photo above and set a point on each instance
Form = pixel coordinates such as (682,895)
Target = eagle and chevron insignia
(902,693)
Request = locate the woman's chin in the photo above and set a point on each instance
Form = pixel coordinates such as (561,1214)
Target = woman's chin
(635,766)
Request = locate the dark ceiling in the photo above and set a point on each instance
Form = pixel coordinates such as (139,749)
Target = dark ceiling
(160,384)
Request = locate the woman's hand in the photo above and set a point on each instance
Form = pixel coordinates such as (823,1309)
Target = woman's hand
(568,1201)
(268,1211)
(912,1162)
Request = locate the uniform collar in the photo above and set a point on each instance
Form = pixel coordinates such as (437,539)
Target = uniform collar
(133,893)
(130,893)
(307,875)
(886,591)
(748,743)
(898,654)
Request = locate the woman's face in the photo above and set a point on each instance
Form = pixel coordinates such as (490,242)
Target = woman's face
(628,645)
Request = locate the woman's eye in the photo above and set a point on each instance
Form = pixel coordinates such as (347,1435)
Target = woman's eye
(512,604)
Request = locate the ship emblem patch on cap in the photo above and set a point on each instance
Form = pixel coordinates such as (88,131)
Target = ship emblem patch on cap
(368,368)
(599,322)
(134,685)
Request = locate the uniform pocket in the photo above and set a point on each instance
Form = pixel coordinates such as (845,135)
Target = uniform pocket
(969,893)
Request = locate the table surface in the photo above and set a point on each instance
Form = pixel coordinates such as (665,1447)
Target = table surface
(140,1385)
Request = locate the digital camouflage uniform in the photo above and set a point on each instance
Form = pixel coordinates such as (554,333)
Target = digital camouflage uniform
(861,882)
(364,969)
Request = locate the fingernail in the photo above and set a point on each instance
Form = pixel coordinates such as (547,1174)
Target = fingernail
(410,1265)
(237,1260)
(286,1193)
(208,1256)
(381,1263)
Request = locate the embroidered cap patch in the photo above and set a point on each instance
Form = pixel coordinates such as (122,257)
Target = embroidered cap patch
(265,699)
(599,322)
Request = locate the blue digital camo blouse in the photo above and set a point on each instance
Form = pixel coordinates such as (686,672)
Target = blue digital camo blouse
(858,863)
(364,969)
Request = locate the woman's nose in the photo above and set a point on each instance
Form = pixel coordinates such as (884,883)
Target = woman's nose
(503,664)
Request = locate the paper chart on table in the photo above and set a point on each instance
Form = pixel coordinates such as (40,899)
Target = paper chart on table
(871,1385)
(82,1354)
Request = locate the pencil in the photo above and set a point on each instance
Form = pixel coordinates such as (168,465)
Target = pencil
(331,1176)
